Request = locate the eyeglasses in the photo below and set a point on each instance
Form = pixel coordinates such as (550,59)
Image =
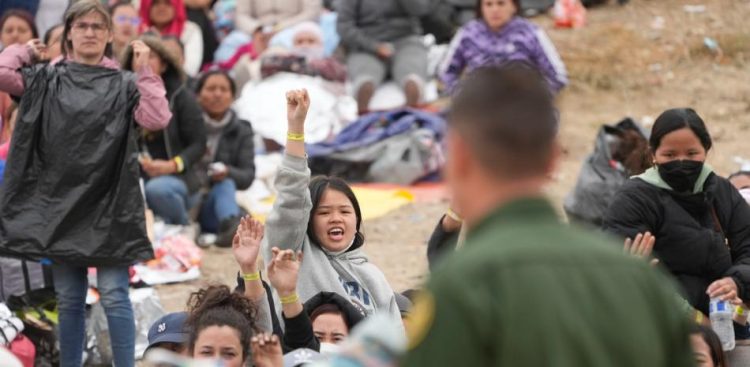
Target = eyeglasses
(82,27)
(124,19)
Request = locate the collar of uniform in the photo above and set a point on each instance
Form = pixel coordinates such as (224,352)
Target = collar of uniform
(529,209)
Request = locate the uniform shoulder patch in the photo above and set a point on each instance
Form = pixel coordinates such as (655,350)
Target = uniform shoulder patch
(420,319)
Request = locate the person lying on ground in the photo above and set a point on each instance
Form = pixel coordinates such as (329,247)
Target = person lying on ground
(383,37)
(698,219)
(322,218)
(499,35)
(86,35)
(228,163)
(170,155)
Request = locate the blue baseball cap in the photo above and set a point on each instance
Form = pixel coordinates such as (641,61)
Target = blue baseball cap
(170,328)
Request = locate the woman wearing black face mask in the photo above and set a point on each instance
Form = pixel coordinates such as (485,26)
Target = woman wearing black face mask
(700,222)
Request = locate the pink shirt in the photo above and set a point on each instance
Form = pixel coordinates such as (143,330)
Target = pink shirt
(152,111)
(4,150)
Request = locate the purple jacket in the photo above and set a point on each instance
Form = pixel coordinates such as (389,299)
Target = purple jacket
(477,45)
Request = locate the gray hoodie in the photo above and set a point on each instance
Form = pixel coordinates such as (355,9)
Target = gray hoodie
(349,274)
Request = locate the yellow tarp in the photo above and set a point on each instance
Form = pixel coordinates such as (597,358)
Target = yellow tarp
(374,203)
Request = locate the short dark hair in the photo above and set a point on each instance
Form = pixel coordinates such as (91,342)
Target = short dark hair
(318,185)
(478,9)
(676,119)
(714,343)
(329,308)
(217,305)
(204,78)
(25,16)
(508,114)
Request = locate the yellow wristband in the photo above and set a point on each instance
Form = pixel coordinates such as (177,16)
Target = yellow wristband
(180,163)
(251,276)
(295,137)
(740,310)
(294,298)
(453,215)
(698,317)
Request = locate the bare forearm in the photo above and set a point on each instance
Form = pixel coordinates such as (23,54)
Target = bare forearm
(295,147)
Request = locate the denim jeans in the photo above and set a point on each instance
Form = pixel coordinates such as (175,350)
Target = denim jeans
(71,285)
(219,204)
(168,197)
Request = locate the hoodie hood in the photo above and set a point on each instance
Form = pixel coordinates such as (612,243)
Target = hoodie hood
(174,72)
(652,177)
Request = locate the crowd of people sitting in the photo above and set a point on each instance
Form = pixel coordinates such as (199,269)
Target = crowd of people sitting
(174,69)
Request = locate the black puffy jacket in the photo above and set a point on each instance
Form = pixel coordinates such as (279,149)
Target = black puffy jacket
(237,151)
(699,237)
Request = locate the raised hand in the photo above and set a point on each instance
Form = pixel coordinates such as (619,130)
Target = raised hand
(284,270)
(246,244)
(724,289)
(38,49)
(141,55)
(642,246)
(266,351)
(297,104)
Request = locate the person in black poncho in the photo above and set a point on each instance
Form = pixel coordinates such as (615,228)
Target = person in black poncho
(71,191)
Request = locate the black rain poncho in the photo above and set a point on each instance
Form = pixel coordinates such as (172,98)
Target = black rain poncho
(71,192)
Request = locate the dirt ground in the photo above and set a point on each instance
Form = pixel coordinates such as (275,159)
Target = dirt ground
(636,61)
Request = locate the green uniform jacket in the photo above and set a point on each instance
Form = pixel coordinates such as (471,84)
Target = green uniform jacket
(527,290)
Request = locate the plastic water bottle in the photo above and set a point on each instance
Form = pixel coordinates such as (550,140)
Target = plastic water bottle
(721,312)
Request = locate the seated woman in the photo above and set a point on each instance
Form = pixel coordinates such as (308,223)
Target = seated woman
(170,155)
(125,23)
(382,37)
(16,28)
(322,219)
(253,15)
(305,57)
(228,161)
(698,219)
(498,35)
(168,17)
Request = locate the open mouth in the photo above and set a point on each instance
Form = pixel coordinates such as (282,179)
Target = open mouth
(336,234)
